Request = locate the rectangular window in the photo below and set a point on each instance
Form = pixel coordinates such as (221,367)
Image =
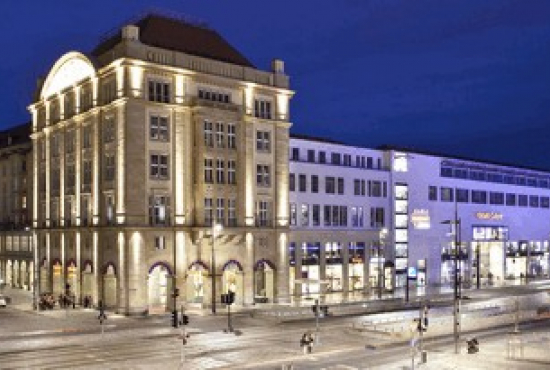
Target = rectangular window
(109,129)
(208,211)
(109,169)
(291,182)
(522,200)
(263,143)
(316,215)
(87,137)
(231,136)
(304,215)
(335,158)
(354,218)
(369,162)
(84,210)
(86,172)
(231,172)
(159,166)
(510,199)
(462,195)
(293,214)
(377,218)
(533,201)
(208,134)
(220,171)
(263,175)
(70,177)
(432,192)
(322,157)
(327,215)
(311,156)
(262,109)
(160,243)
(314,183)
(330,185)
(208,170)
(70,142)
(263,213)
(544,202)
(340,185)
(109,208)
(295,154)
(302,183)
(347,160)
(158,128)
(446,194)
(159,209)
(343,216)
(232,212)
(220,133)
(496,198)
(375,188)
(159,91)
(356,187)
(479,196)
(220,211)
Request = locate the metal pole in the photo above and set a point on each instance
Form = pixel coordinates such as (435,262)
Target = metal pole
(174,284)
(213,268)
(478,279)
(421,328)
(317,321)
(380,275)
(407,284)
(456,297)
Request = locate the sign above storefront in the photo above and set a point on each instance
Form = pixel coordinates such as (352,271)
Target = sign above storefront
(489,216)
(420,219)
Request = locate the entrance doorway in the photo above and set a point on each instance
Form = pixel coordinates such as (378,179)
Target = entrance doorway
(159,284)
(196,277)
(264,282)
(232,280)
(109,286)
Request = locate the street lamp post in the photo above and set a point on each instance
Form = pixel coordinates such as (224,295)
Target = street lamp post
(456,298)
(478,281)
(215,229)
(383,233)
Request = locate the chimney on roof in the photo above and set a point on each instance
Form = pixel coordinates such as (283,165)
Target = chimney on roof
(278,66)
(130,32)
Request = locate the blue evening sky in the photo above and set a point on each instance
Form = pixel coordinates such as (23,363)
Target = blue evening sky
(463,77)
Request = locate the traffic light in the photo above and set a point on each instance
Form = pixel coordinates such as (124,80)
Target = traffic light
(175,319)
(184,319)
(231,297)
(314,309)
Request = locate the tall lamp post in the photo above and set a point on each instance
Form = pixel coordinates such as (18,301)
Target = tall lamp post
(383,234)
(456,298)
(216,228)
(478,281)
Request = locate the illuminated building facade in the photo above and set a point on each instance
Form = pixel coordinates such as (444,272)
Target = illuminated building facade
(16,247)
(139,148)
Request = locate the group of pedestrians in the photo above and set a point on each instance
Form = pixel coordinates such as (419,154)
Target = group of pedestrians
(47,301)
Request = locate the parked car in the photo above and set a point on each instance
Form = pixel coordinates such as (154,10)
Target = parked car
(3,301)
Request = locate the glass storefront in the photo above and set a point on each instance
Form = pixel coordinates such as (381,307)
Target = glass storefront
(311,257)
(356,266)
(334,277)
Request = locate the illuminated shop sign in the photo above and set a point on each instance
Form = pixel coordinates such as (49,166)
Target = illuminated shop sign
(420,219)
(491,216)
(412,272)
(490,233)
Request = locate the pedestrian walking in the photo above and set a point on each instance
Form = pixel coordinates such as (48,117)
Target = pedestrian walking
(304,343)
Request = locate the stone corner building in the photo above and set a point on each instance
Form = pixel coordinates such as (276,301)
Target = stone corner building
(139,149)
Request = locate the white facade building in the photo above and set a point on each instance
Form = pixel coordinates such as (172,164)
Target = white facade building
(344,198)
